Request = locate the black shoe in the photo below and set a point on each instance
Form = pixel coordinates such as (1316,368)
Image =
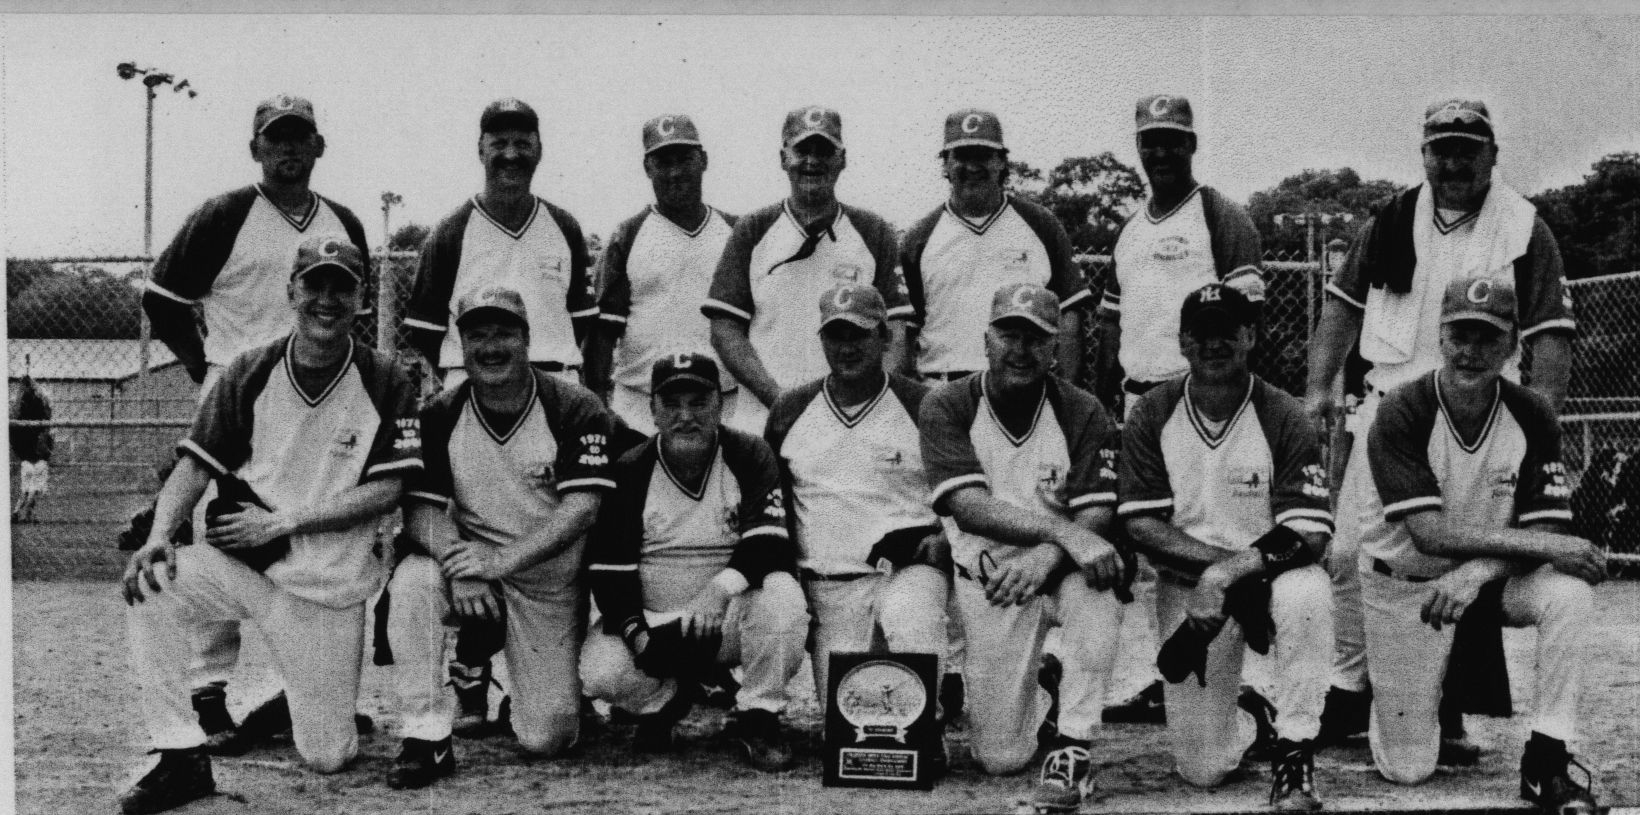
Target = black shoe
(657,731)
(951,697)
(1458,752)
(1545,778)
(716,689)
(268,721)
(1145,707)
(503,717)
(758,732)
(1345,716)
(363,725)
(1263,747)
(472,686)
(179,777)
(1048,675)
(420,763)
(1292,771)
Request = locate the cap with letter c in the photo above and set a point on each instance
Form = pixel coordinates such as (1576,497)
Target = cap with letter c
(972,127)
(690,368)
(667,130)
(854,303)
(327,251)
(1163,111)
(1029,302)
(1483,299)
(279,107)
(493,302)
(813,120)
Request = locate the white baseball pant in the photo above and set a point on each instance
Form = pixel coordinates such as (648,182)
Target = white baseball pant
(1005,703)
(763,632)
(316,649)
(545,628)
(1349,669)
(903,613)
(1208,731)
(1407,659)
(214,644)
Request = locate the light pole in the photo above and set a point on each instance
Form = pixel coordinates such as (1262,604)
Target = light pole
(152,78)
(389,201)
(387,280)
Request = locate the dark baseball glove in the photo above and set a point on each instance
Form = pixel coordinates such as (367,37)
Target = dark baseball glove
(671,654)
(234,495)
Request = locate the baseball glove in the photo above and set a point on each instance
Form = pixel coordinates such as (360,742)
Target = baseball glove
(234,495)
(671,654)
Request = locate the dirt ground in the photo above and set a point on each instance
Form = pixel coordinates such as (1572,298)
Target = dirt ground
(78,740)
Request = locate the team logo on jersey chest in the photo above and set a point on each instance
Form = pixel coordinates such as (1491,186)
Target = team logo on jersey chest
(552,268)
(1171,247)
(1248,483)
(1018,263)
(1050,484)
(540,477)
(729,521)
(345,442)
(847,271)
(1504,481)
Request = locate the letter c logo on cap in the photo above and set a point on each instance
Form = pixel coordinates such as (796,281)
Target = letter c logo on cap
(971,122)
(330,248)
(664,127)
(681,360)
(1159,105)
(1479,291)
(814,116)
(842,298)
(1022,297)
(283,102)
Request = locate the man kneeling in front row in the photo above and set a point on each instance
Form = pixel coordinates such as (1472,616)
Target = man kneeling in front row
(1221,486)
(693,570)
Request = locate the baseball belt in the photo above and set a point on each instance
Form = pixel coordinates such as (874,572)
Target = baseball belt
(1383,568)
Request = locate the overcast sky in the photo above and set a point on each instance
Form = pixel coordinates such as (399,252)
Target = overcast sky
(398,99)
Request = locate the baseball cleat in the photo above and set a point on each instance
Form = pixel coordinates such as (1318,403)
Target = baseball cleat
(1546,781)
(1345,716)
(420,763)
(717,689)
(180,776)
(1292,771)
(758,732)
(1065,781)
(1263,747)
(656,731)
(951,699)
(472,686)
(1145,707)
(363,724)
(1458,752)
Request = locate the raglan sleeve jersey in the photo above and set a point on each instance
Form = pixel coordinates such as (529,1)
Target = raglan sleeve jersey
(296,449)
(1511,475)
(1227,489)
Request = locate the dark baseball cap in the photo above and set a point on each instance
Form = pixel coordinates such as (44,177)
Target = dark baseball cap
(1163,111)
(1458,119)
(1216,306)
(279,107)
(1483,299)
(665,131)
(493,302)
(689,368)
(1029,302)
(972,127)
(854,303)
(813,120)
(328,250)
(508,114)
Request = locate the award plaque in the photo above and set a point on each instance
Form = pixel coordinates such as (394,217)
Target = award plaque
(880,728)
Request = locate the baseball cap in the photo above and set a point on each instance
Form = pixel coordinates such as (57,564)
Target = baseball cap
(665,131)
(971,127)
(855,303)
(813,120)
(1216,305)
(491,301)
(687,368)
(1026,301)
(1486,299)
(1164,111)
(1458,118)
(278,107)
(508,114)
(328,250)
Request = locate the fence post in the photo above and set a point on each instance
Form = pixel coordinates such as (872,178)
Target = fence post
(387,304)
(145,335)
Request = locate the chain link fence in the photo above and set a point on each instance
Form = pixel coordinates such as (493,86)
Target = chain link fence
(120,401)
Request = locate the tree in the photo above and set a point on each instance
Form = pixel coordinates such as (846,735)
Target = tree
(1090,195)
(408,238)
(21,274)
(82,303)
(1318,191)
(1597,222)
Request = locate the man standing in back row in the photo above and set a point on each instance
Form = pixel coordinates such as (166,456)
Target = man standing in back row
(781,258)
(656,271)
(1462,222)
